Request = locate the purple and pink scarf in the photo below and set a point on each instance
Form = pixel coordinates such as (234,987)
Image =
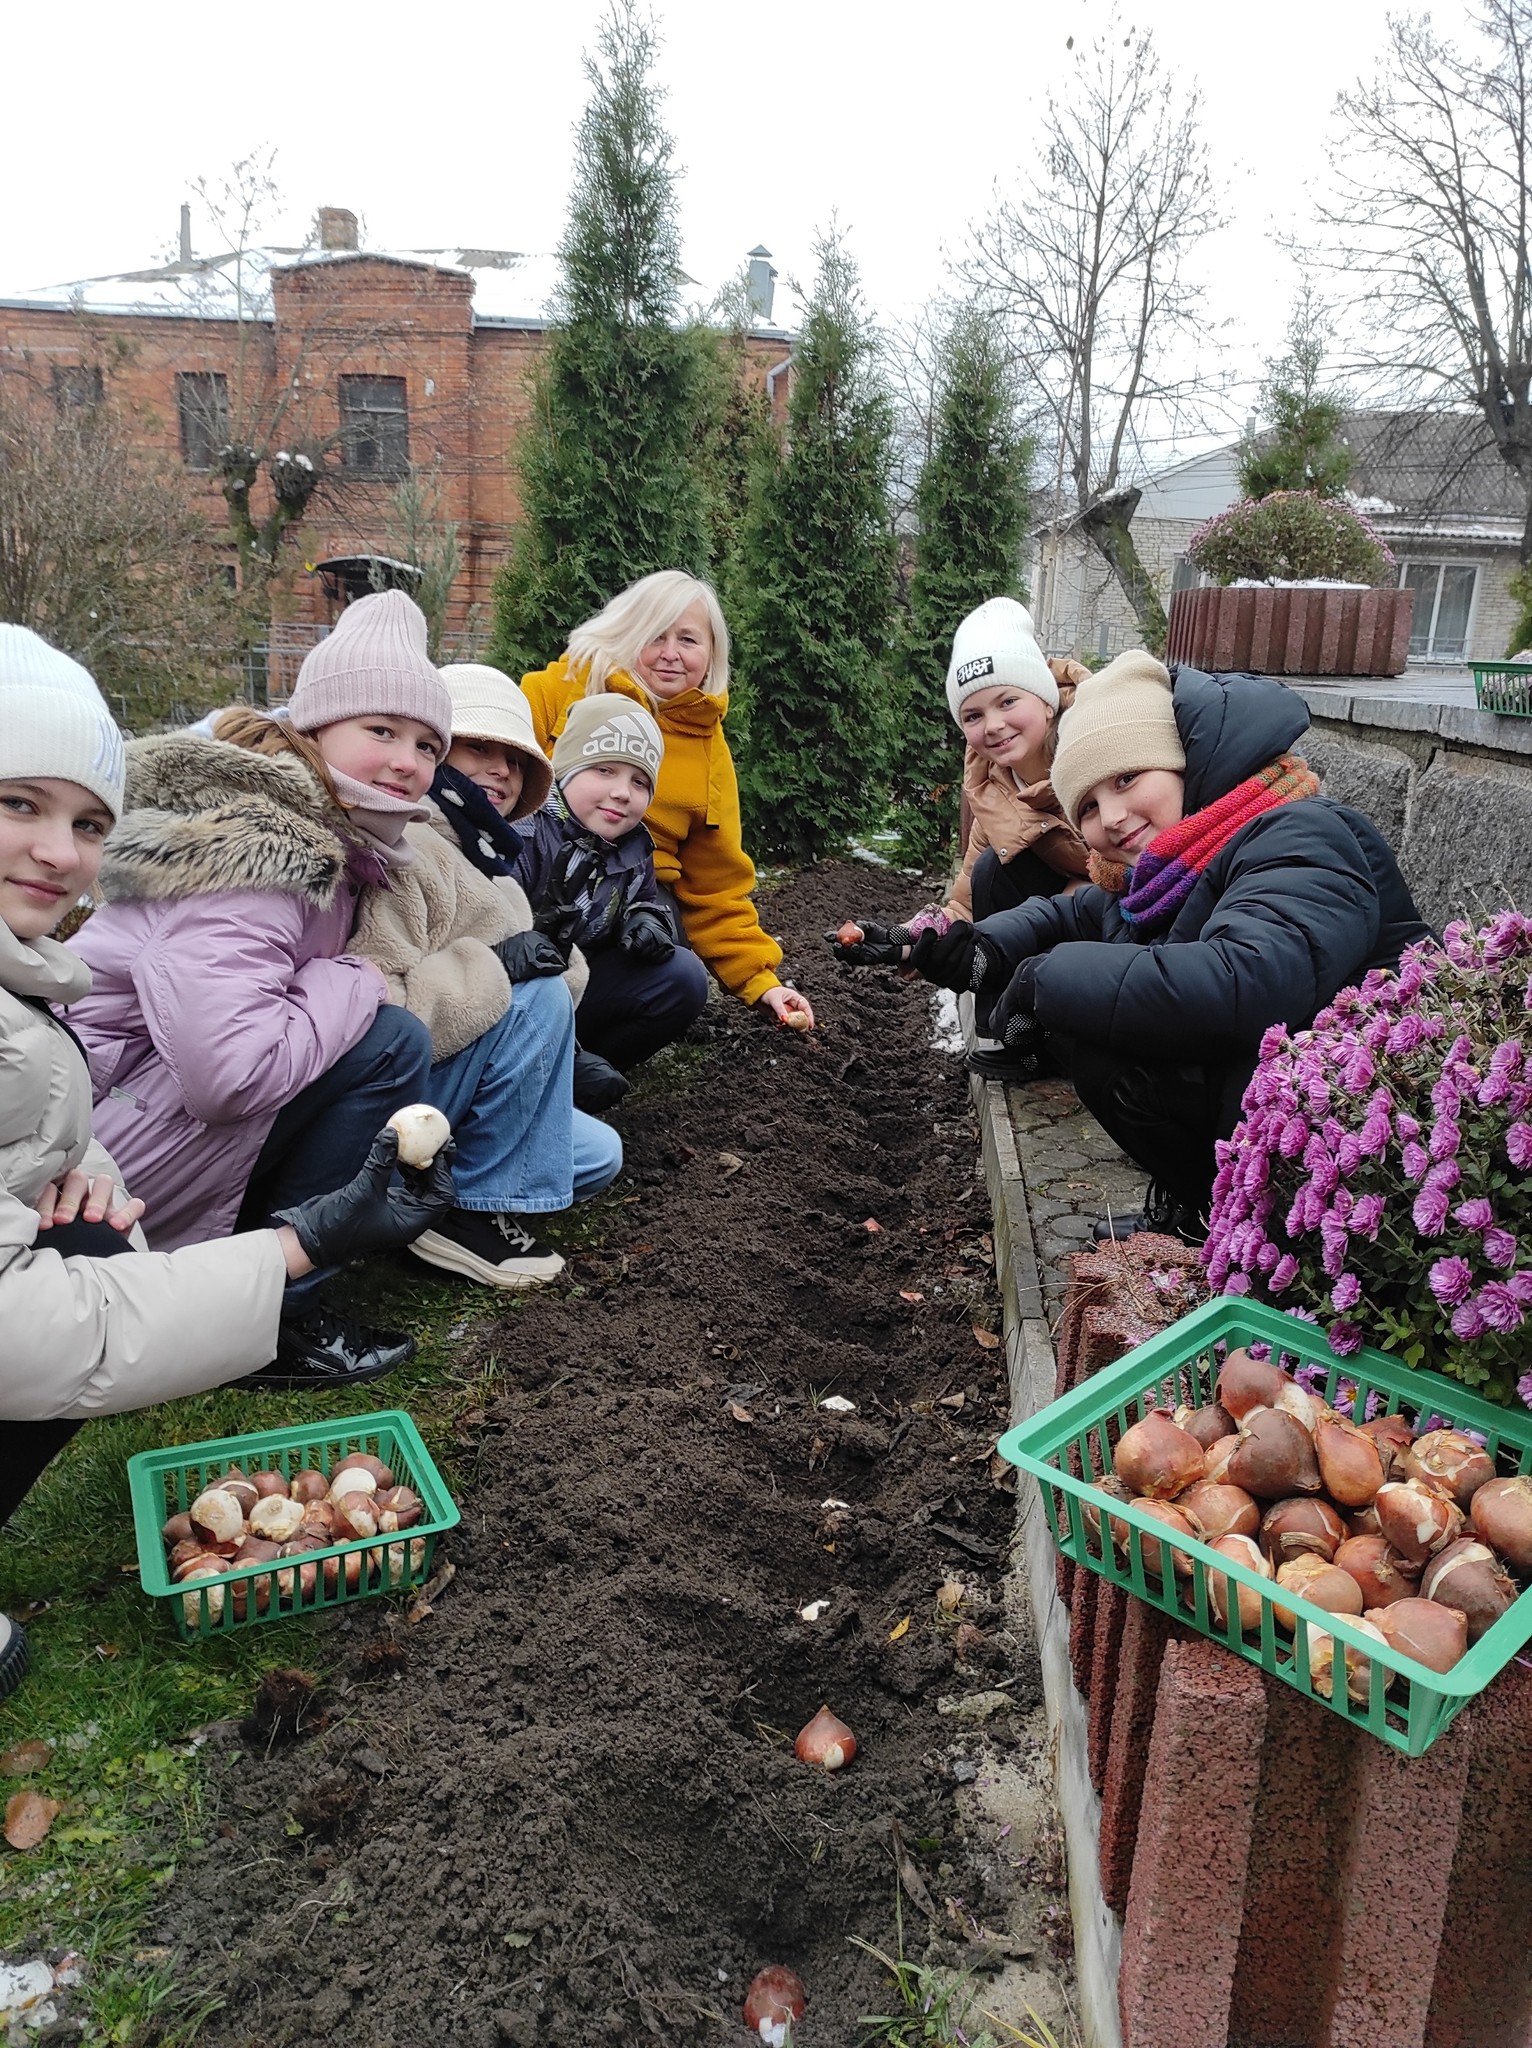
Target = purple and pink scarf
(1174,861)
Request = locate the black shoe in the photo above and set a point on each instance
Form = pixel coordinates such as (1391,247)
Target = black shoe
(1161,1213)
(496,1250)
(324,1349)
(598,1085)
(998,1063)
(14,1655)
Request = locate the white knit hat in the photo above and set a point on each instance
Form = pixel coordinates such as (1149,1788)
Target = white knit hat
(487,705)
(374,664)
(1123,718)
(53,720)
(995,649)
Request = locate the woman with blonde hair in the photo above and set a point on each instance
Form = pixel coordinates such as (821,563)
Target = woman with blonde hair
(663,642)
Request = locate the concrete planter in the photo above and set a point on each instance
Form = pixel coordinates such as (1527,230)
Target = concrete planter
(1293,631)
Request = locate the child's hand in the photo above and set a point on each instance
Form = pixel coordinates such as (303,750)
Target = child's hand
(861,943)
(92,1201)
(789,1008)
(646,934)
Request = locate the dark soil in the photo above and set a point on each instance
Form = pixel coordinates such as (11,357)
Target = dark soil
(564,1808)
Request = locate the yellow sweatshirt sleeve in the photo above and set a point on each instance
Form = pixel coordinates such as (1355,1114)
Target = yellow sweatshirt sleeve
(546,691)
(713,889)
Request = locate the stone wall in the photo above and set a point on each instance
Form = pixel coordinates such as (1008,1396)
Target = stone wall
(1450,788)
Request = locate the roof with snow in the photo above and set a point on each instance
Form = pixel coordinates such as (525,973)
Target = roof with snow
(1437,466)
(511,288)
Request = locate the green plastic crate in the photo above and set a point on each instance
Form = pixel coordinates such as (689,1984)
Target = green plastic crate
(163,1483)
(1070,1441)
(1503,686)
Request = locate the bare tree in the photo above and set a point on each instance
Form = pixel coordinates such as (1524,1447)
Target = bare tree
(100,547)
(1430,212)
(416,528)
(1088,263)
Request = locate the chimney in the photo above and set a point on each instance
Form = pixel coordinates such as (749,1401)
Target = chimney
(760,286)
(337,227)
(186,248)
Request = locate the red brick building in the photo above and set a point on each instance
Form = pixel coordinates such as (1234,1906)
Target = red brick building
(360,362)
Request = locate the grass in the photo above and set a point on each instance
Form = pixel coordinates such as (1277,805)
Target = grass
(121,1698)
(936,2007)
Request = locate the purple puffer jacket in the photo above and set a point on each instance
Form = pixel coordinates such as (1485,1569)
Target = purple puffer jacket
(220,985)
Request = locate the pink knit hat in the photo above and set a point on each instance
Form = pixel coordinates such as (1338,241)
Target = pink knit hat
(375,662)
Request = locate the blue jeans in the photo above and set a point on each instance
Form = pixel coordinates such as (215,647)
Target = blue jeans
(522,1146)
(321,1137)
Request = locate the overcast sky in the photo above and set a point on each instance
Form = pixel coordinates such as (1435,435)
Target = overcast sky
(453,124)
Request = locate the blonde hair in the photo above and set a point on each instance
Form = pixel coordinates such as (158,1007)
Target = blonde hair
(258,734)
(618,635)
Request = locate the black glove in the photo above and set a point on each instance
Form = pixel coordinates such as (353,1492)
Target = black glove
(957,958)
(375,1212)
(881,945)
(1013,1020)
(646,934)
(529,956)
(598,1085)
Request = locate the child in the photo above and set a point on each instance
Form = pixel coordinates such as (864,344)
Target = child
(1244,899)
(588,868)
(84,1331)
(494,779)
(1004,697)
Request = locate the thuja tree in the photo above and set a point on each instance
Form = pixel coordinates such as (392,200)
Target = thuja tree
(607,482)
(971,509)
(817,587)
(1302,448)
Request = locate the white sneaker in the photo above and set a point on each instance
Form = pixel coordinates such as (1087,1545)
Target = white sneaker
(14,1655)
(496,1250)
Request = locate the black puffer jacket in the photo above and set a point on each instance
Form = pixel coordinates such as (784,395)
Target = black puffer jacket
(1298,905)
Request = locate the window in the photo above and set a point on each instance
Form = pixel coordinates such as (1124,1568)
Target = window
(1444,594)
(202,400)
(374,425)
(76,386)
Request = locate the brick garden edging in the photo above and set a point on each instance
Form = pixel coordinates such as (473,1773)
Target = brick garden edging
(1244,1872)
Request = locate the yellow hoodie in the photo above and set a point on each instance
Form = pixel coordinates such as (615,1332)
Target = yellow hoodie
(693,821)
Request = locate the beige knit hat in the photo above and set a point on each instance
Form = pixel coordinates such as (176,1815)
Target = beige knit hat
(1122,718)
(487,705)
(374,664)
(607,728)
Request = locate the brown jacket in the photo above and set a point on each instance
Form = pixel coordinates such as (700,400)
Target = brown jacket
(1019,818)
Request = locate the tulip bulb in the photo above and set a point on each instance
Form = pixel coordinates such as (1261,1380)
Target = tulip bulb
(1113,1488)
(178,1530)
(191,1602)
(422,1131)
(775,2000)
(1383,1575)
(1275,1457)
(826,1741)
(1358,1665)
(1351,1463)
(242,1486)
(1154,1459)
(218,1515)
(271,1483)
(1393,1435)
(277,1517)
(1246,1384)
(1433,1635)
(1417,1517)
(1301,1526)
(1151,1550)
(308,1485)
(1453,1460)
(1215,1510)
(356,1517)
(1469,1577)
(1218,1456)
(1501,1514)
(1248,1601)
(1207,1424)
(352,1478)
(1326,1585)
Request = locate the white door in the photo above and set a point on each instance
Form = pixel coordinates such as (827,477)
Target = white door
(1444,594)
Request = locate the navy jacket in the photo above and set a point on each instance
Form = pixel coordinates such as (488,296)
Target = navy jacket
(581,886)
(1297,906)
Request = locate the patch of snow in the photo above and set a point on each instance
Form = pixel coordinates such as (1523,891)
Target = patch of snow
(1294,583)
(946,1025)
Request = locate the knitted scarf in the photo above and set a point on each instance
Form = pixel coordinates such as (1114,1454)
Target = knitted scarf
(1174,861)
(492,843)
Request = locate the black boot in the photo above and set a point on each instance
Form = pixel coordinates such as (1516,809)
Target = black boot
(14,1655)
(1161,1212)
(598,1085)
(323,1349)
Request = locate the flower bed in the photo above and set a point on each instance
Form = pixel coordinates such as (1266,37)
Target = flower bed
(1380,1181)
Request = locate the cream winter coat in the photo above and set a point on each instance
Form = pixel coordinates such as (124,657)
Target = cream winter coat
(80,1336)
(431,932)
